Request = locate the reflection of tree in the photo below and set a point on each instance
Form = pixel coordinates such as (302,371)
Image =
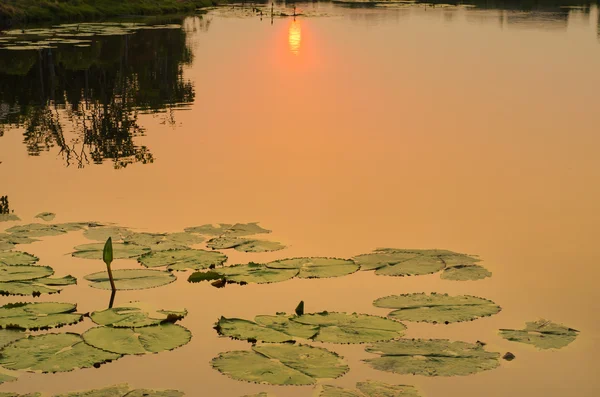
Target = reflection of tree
(4,207)
(86,100)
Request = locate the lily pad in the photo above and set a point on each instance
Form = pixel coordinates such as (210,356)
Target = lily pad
(120,251)
(197,277)
(9,217)
(141,340)
(23,272)
(53,353)
(370,388)
(123,390)
(57,281)
(16,239)
(465,273)
(281,364)
(36,316)
(7,336)
(102,233)
(183,259)
(17,258)
(37,230)
(135,314)
(128,279)
(6,245)
(222,229)
(437,308)
(25,288)
(256,273)
(154,393)
(46,216)
(322,327)
(542,334)
(244,244)
(434,357)
(402,262)
(316,267)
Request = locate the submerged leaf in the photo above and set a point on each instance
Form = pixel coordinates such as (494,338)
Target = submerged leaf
(466,272)
(135,314)
(437,308)
(435,357)
(120,251)
(52,353)
(183,259)
(153,339)
(281,364)
(46,216)
(316,267)
(17,258)
(35,316)
(542,334)
(126,279)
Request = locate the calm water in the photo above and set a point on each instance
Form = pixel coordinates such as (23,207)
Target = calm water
(469,129)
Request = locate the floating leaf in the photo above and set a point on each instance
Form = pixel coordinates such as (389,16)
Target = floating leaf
(23,272)
(123,390)
(9,218)
(262,394)
(183,259)
(57,281)
(184,238)
(16,239)
(52,353)
(120,251)
(102,233)
(6,245)
(322,327)
(154,393)
(36,316)
(239,229)
(437,308)
(465,272)
(401,262)
(37,230)
(17,258)
(370,388)
(142,340)
(25,288)
(46,216)
(316,267)
(162,242)
(131,279)
(256,273)
(204,276)
(135,314)
(542,334)
(244,244)
(435,357)
(7,336)
(281,364)
(9,376)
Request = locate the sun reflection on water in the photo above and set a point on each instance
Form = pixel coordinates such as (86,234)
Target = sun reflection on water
(295,37)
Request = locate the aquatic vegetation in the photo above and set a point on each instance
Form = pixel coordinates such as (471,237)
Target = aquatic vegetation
(120,251)
(322,327)
(369,388)
(316,267)
(135,314)
(52,353)
(102,233)
(431,357)
(36,287)
(244,244)
(46,216)
(139,340)
(281,364)
(34,316)
(543,334)
(9,218)
(129,279)
(45,230)
(465,272)
(7,336)
(227,229)
(261,394)
(166,241)
(197,277)
(255,273)
(183,259)
(437,308)
(5,214)
(12,258)
(23,272)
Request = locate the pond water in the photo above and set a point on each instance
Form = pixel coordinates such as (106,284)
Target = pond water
(463,128)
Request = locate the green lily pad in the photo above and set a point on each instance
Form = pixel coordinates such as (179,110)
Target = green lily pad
(437,308)
(183,259)
(42,315)
(322,327)
(16,239)
(542,334)
(123,390)
(53,353)
(6,246)
(465,273)
(402,262)
(9,217)
(23,272)
(281,364)
(120,251)
(141,340)
(46,216)
(434,357)
(222,229)
(25,288)
(244,244)
(127,279)
(57,281)
(135,314)
(162,242)
(370,388)
(37,230)
(316,267)
(8,376)
(256,273)
(102,233)
(8,336)
(17,258)
(183,238)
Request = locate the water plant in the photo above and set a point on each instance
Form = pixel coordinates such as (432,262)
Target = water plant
(543,334)
(369,388)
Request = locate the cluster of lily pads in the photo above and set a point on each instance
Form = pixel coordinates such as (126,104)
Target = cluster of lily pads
(282,351)
(123,390)
(77,34)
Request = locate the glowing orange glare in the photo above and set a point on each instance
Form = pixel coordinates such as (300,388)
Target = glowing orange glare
(295,37)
